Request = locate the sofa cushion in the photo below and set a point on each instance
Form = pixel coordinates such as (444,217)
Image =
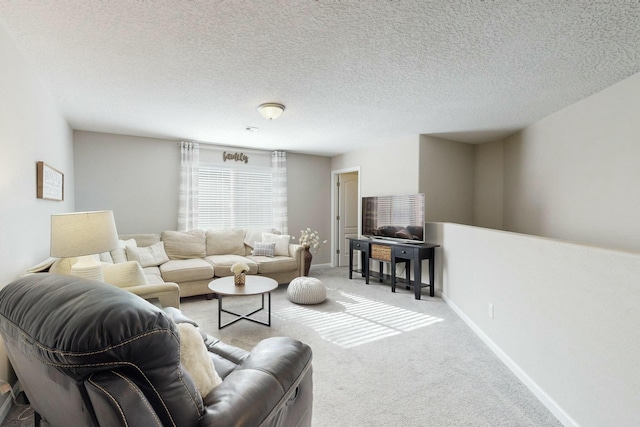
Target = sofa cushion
(185,270)
(253,235)
(225,242)
(153,275)
(142,239)
(281,240)
(277,264)
(148,256)
(223,263)
(124,274)
(184,244)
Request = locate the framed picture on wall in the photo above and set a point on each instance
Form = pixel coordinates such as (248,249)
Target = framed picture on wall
(50,182)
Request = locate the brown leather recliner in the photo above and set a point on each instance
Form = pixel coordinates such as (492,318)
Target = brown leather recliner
(90,354)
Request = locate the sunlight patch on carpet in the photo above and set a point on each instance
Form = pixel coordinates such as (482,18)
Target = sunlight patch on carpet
(362,321)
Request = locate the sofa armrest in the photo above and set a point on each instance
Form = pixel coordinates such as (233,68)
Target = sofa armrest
(168,293)
(295,251)
(261,386)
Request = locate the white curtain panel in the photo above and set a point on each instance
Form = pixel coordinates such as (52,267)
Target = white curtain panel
(188,196)
(279,166)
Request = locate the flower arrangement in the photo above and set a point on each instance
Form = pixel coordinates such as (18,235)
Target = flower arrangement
(238,268)
(310,239)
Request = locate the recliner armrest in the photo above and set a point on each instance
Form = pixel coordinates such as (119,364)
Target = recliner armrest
(117,401)
(260,386)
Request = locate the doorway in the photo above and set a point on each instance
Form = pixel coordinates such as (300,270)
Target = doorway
(346,213)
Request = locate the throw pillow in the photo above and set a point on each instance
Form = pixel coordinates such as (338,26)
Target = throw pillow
(281,241)
(264,249)
(195,359)
(124,274)
(119,254)
(106,257)
(150,256)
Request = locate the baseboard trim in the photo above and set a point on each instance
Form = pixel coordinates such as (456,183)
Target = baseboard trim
(322,265)
(542,396)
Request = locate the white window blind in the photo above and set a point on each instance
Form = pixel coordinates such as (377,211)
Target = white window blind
(232,197)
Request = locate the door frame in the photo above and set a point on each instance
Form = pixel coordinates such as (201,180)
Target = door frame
(334,210)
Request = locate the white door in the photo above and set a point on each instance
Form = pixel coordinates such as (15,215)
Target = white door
(347,214)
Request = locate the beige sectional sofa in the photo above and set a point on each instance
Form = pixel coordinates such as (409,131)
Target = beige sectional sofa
(192,259)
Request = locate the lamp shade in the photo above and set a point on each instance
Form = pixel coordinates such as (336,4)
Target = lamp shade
(271,110)
(82,233)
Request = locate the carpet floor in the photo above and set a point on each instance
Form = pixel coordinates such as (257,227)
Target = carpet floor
(382,359)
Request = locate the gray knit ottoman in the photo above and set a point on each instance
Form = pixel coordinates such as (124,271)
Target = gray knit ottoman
(306,290)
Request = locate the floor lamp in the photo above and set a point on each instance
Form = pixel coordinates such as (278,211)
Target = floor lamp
(83,234)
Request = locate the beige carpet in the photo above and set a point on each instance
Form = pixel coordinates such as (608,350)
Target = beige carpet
(382,359)
(385,359)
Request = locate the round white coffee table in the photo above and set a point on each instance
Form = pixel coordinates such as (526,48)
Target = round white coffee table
(254,285)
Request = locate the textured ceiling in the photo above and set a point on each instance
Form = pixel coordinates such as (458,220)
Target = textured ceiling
(351,73)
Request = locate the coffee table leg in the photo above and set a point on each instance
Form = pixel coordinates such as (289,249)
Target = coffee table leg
(246,316)
(268,308)
(220,311)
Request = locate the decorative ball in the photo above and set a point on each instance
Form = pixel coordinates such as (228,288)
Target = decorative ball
(306,290)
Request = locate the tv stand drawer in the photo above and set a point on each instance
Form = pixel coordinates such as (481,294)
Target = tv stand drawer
(381,252)
(405,252)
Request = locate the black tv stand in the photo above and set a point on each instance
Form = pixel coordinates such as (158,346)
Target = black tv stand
(394,252)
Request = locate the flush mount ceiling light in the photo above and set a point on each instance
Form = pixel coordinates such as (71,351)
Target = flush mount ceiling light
(271,110)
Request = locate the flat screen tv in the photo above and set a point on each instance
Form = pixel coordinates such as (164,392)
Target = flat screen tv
(394,217)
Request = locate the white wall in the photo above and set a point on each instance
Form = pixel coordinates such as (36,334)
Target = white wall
(574,174)
(565,322)
(489,185)
(447,179)
(138,179)
(31,129)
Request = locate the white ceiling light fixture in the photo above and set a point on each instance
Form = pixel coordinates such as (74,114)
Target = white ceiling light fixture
(271,110)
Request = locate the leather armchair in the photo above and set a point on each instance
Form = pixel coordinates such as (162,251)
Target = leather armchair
(90,354)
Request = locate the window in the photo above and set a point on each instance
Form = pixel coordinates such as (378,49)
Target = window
(234,197)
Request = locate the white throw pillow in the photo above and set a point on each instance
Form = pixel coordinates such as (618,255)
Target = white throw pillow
(281,241)
(106,257)
(119,254)
(196,360)
(149,256)
(124,274)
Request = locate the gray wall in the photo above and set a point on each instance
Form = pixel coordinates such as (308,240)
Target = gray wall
(443,170)
(489,185)
(138,179)
(309,196)
(447,179)
(31,129)
(572,175)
